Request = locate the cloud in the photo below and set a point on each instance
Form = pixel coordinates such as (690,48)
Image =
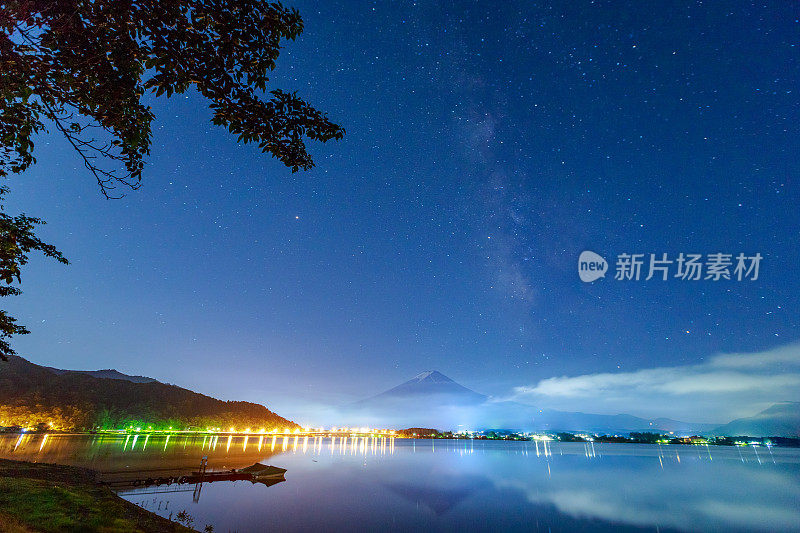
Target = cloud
(646,493)
(725,387)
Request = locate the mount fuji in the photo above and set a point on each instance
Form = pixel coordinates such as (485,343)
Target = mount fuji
(431,382)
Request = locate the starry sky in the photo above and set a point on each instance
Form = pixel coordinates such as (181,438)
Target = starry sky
(487,145)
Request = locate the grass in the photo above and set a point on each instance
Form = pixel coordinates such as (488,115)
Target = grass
(54,498)
(9,524)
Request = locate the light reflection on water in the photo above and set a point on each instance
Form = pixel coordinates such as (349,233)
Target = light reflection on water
(348,483)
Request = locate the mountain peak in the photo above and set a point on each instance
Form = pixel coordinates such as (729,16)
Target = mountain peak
(431,383)
(431,376)
(106,373)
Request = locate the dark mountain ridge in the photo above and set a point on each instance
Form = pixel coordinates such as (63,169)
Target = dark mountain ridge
(554,420)
(779,420)
(109,373)
(31,394)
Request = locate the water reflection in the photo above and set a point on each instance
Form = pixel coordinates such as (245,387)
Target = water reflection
(345,482)
(75,447)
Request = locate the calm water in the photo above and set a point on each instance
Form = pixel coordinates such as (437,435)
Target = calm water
(445,485)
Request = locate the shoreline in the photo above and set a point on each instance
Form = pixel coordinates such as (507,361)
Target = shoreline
(50,497)
(559,436)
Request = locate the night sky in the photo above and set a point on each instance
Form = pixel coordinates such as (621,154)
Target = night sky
(488,144)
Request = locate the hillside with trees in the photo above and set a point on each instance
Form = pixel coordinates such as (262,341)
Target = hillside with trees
(32,395)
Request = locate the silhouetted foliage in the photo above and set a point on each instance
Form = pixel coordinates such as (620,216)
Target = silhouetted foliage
(647,437)
(419,432)
(82,67)
(16,241)
(183,517)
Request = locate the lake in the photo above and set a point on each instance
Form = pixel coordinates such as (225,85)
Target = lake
(337,484)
